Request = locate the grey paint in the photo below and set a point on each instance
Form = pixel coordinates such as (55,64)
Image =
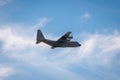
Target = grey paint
(64,41)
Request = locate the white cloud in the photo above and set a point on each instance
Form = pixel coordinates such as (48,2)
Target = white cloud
(85,16)
(21,48)
(41,22)
(100,48)
(17,37)
(12,41)
(5,72)
(4,2)
(57,73)
(96,50)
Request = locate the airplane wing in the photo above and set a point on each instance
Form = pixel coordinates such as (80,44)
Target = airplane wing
(65,37)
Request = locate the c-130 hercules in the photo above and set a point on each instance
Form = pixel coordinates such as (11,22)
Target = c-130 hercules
(64,41)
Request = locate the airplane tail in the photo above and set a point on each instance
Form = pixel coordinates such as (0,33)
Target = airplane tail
(40,37)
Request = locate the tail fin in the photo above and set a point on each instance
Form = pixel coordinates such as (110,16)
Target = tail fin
(40,37)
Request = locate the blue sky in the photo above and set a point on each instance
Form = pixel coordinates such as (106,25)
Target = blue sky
(95,24)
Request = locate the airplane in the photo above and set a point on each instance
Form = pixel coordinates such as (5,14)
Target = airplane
(64,41)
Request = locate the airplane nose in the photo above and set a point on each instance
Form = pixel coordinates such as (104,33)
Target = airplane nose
(79,44)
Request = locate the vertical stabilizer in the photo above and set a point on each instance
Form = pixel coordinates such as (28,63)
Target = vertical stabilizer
(40,37)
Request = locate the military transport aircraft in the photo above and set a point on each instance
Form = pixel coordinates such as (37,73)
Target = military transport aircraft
(64,41)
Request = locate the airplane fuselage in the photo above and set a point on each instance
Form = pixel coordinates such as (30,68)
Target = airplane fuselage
(61,43)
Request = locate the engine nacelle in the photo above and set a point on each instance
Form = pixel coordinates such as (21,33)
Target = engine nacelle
(70,37)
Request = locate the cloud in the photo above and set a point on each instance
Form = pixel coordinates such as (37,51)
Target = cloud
(24,49)
(97,50)
(5,72)
(41,22)
(4,2)
(15,36)
(85,16)
(101,48)
(12,41)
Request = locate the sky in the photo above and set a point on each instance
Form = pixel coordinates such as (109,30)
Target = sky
(94,24)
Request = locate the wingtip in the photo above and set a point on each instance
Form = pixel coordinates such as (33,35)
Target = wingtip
(69,32)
